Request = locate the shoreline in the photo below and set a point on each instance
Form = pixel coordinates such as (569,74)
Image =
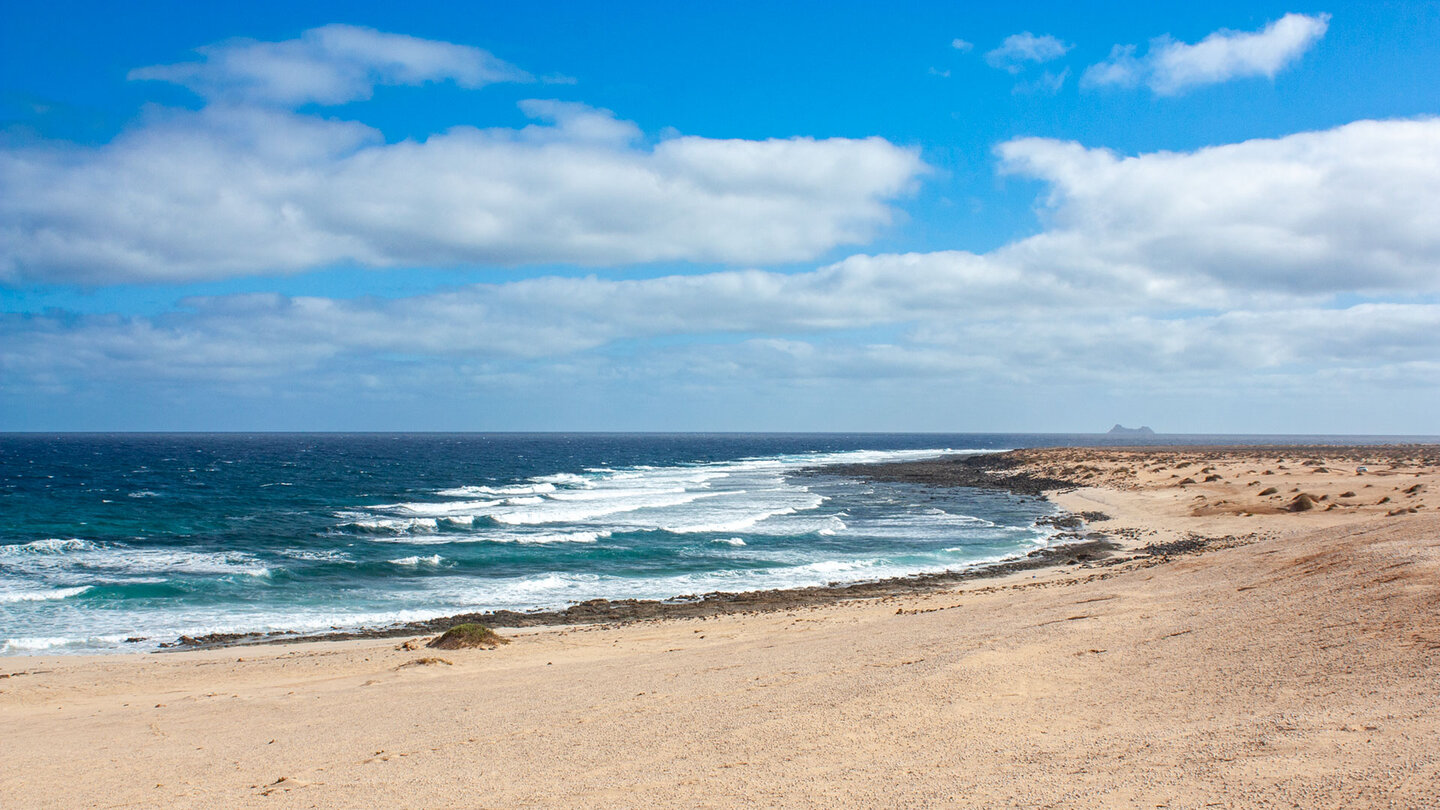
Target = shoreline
(1086,552)
(1005,470)
(1084,549)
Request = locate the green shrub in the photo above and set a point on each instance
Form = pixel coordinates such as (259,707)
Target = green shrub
(468,636)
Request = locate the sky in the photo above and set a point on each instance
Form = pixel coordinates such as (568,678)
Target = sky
(731,216)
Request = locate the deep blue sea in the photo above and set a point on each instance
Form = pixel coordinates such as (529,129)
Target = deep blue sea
(117,536)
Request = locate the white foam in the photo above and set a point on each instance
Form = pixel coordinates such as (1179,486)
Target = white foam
(520,535)
(53,545)
(438,509)
(748,495)
(568,479)
(516,489)
(612,494)
(39,644)
(561,512)
(316,555)
(730,541)
(11,597)
(545,538)
(68,559)
(390,525)
(416,561)
(739,524)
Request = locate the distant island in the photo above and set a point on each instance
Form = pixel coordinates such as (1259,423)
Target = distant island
(1121,430)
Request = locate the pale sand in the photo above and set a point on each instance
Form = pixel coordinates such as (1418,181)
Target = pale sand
(1299,670)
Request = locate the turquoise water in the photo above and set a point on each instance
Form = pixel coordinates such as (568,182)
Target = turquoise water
(110,537)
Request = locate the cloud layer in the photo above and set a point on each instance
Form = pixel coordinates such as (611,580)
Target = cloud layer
(1161,269)
(245,187)
(1170,67)
(232,191)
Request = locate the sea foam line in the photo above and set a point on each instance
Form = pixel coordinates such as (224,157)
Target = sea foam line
(12,597)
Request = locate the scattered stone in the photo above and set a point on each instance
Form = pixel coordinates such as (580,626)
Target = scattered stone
(1061,521)
(427,661)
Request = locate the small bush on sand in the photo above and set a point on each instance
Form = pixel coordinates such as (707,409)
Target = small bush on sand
(1302,503)
(468,636)
(1269,491)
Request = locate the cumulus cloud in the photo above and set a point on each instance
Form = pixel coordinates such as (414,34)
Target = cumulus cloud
(247,186)
(961,45)
(333,64)
(1019,50)
(244,190)
(1170,66)
(1356,208)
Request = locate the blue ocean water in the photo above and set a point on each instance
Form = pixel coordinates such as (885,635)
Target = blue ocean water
(110,537)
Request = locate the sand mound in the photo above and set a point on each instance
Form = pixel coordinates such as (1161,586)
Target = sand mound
(468,636)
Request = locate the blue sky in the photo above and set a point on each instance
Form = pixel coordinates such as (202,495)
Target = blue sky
(730,216)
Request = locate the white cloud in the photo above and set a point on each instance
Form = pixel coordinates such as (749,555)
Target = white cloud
(1019,49)
(1356,208)
(961,45)
(1124,345)
(1170,67)
(242,190)
(244,186)
(1121,69)
(329,65)
(1233,266)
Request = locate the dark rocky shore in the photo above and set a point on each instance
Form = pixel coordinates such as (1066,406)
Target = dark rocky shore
(982,471)
(986,471)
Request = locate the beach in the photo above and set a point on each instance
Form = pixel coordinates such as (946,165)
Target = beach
(1234,646)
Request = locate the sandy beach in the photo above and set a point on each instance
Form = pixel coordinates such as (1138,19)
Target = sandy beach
(1266,634)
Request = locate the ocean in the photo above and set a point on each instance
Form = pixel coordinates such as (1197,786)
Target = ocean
(120,542)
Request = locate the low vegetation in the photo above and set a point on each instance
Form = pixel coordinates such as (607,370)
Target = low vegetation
(468,636)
